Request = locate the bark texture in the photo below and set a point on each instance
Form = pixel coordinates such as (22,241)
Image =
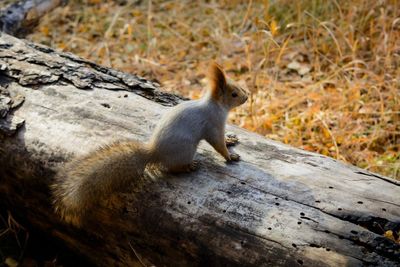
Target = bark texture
(278,206)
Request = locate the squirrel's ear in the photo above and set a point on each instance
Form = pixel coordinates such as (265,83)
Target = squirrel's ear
(217,79)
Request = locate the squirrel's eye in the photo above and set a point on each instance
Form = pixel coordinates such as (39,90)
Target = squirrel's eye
(234,94)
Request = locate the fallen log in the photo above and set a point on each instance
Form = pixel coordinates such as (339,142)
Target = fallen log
(278,206)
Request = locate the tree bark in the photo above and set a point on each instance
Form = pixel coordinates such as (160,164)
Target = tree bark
(21,17)
(278,206)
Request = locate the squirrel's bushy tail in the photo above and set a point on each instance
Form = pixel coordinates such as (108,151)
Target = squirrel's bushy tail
(85,181)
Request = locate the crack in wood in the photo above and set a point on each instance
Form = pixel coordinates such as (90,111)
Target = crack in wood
(392,181)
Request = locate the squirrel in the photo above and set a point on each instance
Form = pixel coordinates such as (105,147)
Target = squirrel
(80,184)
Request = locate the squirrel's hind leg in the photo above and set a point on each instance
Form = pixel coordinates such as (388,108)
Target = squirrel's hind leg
(175,160)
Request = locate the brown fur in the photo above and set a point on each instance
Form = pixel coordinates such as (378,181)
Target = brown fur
(217,80)
(88,178)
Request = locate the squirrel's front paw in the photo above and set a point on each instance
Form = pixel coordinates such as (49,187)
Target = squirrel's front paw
(234,157)
(231,139)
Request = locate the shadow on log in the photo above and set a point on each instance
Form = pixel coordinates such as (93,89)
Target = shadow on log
(279,206)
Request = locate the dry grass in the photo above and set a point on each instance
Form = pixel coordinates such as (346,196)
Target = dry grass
(324,75)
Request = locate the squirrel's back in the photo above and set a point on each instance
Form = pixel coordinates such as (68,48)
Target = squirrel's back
(182,122)
(180,130)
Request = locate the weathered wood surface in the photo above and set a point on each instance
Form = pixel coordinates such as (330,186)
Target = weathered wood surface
(19,17)
(279,206)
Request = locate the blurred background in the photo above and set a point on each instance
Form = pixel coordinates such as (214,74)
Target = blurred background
(324,75)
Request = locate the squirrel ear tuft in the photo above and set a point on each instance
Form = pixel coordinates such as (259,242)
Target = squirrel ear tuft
(217,79)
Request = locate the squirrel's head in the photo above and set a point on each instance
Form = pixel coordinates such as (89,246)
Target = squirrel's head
(225,91)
